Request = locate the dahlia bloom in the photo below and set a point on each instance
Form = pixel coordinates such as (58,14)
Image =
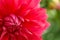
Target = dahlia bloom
(22,20)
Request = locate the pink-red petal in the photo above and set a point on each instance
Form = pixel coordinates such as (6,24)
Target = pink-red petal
(36,27)
(37,14)
(36,21)
(12,6)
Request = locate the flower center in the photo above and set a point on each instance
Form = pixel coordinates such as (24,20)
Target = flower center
(11,23)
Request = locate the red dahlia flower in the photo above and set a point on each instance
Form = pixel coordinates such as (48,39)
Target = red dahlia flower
(22,20)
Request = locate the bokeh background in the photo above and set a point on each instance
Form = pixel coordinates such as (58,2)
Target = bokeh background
(53,11)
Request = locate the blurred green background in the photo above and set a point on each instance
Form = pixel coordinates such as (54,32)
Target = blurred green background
(53,11)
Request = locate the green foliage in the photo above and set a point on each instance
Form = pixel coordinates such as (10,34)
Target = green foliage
(53,33)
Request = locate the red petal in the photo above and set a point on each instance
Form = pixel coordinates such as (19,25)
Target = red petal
(28,35)
(36,21)
(36,27)
(6,7)
(10,6)
(9,37)
(26,6)
(5,37)
(37,14)
(34,3)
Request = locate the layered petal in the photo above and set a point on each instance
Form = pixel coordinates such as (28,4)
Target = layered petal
(36,21)
(24,34)
(17,6)
(26,7)
(16,37)
(37,14)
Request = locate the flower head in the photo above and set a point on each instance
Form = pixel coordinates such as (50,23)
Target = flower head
(22,20)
